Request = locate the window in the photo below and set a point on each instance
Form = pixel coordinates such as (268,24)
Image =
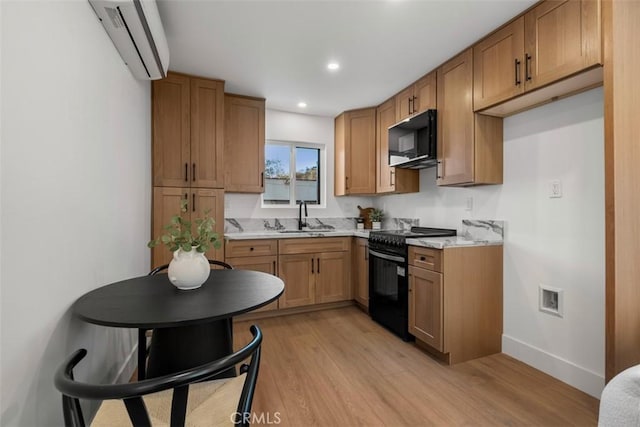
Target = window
(293,172)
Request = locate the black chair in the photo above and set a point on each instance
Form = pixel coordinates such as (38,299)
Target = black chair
(142,333)
(138,410)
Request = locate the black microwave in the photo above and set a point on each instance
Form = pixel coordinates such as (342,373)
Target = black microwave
(412,142)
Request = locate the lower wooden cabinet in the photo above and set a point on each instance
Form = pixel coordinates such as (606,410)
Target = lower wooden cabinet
(425,306)
(314,271)
(360,271)
(254,255)
(455,300)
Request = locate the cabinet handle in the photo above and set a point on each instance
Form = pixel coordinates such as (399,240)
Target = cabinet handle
(193,177)
(414,105)
(346,182)
(186,197)
(517,67)
(392,175)
(186,172)
(262,179)
(438,165)
(422,258)
(318,266)
(410,106)
(527,67)
(274,267)
(193,204)
(251,249)
(312,261)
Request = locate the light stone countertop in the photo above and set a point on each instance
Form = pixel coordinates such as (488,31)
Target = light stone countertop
(450,242)
(428,242)
(293,234)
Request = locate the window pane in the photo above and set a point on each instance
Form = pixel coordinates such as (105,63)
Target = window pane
(277,174)
(307,175)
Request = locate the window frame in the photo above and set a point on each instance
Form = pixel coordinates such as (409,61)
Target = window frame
(322,167)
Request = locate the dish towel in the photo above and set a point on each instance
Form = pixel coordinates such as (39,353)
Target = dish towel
(620,400)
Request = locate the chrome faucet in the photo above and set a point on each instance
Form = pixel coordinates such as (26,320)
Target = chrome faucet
(306,214)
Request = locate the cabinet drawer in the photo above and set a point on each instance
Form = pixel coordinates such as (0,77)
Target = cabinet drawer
(313,244)
(428,258)
(258,247)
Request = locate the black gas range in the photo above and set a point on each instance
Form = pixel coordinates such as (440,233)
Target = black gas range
(388,278)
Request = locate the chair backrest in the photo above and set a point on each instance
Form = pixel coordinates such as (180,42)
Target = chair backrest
(211,262)
(132,393)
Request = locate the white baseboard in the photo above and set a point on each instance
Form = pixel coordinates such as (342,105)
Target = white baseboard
(128,366)
(562,369)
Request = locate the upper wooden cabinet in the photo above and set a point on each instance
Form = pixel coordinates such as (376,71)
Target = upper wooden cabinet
(244,144)
(390,179)
(417,98)
(355,152)
(498,64)
(166,203)
(188,132)
(551,42)
(469,144)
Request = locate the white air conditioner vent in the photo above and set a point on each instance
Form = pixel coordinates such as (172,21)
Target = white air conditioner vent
(136,30)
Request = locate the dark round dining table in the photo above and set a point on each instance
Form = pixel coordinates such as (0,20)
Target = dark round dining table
(189,327)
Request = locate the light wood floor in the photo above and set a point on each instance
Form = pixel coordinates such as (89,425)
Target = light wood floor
(338,367)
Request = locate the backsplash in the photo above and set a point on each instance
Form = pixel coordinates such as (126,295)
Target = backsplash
(400,223)
(477,229)
(253,225)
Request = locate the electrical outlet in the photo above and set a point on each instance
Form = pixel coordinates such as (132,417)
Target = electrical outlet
(469,206)
(555,188)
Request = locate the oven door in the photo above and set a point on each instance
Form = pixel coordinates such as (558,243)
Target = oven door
(388,292)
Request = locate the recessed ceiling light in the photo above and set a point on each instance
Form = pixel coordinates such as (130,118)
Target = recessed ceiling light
(302,104)
(333,66)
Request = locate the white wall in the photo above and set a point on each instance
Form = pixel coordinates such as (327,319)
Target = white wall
(75,188)
(556,242)
(284,126)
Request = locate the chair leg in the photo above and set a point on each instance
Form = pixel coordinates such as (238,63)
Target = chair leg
(142,354)
(179,405)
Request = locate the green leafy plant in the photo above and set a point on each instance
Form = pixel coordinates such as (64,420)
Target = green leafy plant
(179,234)
(376,215)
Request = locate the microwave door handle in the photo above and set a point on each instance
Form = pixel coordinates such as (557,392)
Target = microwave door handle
(387,257)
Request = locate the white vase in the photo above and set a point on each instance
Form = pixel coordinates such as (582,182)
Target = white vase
(188,270)
(375,225)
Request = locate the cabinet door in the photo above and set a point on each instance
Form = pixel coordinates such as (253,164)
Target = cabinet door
(360,128)
(404,104)
(202,200)
(385,117)
(390,179)
(361,271)
(298,274)
(425,91)
(207,132)
(498,63)
(244,144)
(456,121)
(266,264)
(171,132)
(332,277)
(561,38)
(425,306)
(166,203)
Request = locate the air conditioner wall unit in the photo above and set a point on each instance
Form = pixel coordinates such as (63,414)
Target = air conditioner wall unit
(136,30)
